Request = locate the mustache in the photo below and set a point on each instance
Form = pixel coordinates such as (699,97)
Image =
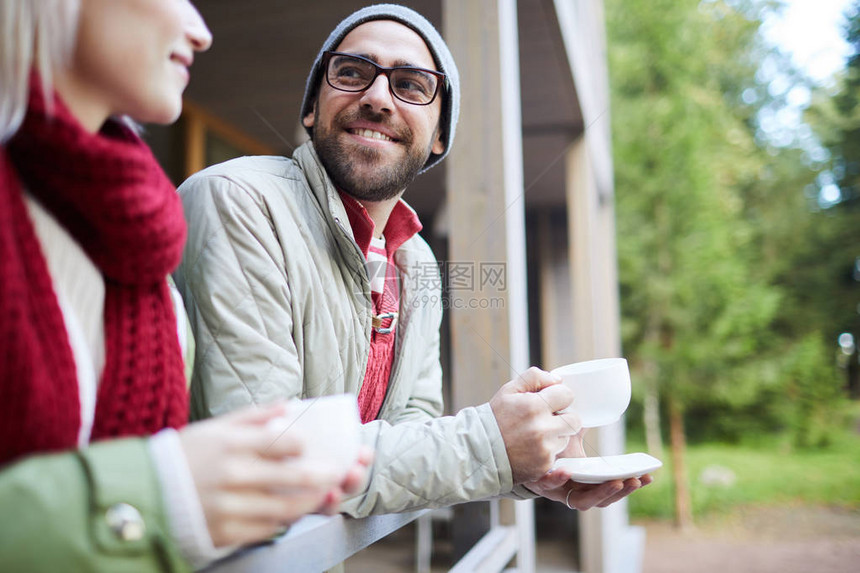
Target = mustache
(402,134)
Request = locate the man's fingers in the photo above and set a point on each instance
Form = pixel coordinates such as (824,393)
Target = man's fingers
(557,396)
(575,446)
(585,496)
(630,485)
(567,423)
(533,380)
(554,479)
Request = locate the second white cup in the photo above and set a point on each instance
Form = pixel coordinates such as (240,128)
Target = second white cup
(329,427)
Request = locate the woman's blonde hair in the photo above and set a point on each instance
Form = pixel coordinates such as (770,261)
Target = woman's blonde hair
(36,34)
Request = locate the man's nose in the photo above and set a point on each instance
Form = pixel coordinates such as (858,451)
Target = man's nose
(378,96)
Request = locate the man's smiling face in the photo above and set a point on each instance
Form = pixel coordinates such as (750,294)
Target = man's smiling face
(371,143)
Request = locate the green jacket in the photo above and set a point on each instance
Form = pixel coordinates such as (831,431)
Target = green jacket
(63,512)
(279,298)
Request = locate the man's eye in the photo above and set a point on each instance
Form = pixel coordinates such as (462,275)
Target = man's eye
(347,72)
(415,83)
(411,86)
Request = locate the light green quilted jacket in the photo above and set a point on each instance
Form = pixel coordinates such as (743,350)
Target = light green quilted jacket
(279,300)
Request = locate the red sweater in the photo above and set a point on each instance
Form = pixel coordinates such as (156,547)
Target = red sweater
(402,225)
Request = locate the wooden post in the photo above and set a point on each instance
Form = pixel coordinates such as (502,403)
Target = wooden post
(608,544)
(195,142)
(487,226)
(556,315)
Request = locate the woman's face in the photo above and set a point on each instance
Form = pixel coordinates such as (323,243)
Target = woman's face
(132,58)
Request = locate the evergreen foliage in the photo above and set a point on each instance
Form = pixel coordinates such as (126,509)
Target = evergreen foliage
(734,281)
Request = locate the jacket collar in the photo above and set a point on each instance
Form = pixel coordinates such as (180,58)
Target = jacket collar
(321,186)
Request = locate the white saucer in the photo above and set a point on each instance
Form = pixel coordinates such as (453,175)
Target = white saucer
(601,469)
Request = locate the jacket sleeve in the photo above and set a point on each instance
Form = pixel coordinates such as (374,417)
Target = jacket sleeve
(440,462)
(245,352)
(98,509)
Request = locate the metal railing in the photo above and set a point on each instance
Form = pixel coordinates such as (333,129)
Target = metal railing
(314,543)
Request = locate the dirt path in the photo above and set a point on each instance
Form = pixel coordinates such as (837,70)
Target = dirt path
(784,540)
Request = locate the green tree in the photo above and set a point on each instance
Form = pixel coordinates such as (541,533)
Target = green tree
(690,299)
(832,274)
(845,144)
(713,224)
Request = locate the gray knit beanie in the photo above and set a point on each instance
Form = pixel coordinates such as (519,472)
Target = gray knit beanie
(441,55)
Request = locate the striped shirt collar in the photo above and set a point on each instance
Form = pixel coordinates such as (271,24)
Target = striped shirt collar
(403,224)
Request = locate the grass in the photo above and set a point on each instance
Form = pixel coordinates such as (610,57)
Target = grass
(769,473)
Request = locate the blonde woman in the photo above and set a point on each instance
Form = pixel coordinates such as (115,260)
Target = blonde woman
(97,471)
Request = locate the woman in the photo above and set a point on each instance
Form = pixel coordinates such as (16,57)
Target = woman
(90,227)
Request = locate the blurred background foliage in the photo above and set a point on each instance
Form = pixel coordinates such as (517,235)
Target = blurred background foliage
(738,228)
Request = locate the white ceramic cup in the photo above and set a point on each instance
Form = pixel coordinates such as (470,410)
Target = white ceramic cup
(601,389)
(328,427)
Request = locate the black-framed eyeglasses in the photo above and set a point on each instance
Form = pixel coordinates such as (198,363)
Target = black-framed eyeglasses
(351,73)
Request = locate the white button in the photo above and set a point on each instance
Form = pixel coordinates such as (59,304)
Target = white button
(125,521)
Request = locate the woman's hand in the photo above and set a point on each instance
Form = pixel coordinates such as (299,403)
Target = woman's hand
(354,482)
(253,480)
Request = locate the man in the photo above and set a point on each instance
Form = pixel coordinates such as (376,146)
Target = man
(280,282)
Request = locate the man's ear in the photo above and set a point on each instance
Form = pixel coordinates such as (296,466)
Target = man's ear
(308,120)
(438,145)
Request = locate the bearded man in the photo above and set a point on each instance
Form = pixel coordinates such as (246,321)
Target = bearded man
(299,279)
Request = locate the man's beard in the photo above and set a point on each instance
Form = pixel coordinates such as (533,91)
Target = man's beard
(343,164)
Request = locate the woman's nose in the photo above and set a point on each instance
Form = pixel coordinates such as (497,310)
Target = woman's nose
(196,30)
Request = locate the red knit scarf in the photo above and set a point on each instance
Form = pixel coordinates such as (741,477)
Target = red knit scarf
(109,192)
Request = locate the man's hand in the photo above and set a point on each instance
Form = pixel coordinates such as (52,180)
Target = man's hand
(253,480)
(527,411)
(558,486)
